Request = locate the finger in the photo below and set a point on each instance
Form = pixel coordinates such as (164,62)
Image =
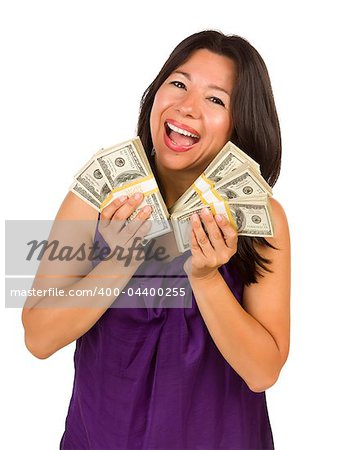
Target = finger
(125,211)
(229,233)
(214,232)
(195,248)
(129,206)
(134,247)
(142,231)
(201,236)
(111,209)
(131,228)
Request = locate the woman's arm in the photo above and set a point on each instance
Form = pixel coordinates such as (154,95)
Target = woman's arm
(254,339)
(53,321)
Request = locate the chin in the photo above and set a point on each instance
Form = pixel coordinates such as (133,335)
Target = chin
(174,162)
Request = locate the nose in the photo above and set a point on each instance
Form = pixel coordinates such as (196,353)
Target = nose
(189,106)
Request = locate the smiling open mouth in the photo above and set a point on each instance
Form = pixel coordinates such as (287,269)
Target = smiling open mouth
(179,136)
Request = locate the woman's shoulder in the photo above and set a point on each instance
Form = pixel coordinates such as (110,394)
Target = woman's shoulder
(74,208)
(78,218)
(280,223)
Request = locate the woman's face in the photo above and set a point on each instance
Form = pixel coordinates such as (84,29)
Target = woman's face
(190,118)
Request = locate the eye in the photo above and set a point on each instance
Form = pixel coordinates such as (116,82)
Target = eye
(217,100)
(178,84)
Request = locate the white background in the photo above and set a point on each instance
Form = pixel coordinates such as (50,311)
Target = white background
(72,74)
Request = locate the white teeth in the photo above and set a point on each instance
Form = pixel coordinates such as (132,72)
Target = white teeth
(180,131)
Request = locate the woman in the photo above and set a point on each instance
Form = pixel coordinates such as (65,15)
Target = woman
(184,378)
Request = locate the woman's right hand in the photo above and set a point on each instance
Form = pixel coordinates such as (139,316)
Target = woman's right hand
(119,236)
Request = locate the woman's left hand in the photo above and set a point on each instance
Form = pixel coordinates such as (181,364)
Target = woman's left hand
(212,249)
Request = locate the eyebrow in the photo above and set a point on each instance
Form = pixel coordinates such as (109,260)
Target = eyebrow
(211,86)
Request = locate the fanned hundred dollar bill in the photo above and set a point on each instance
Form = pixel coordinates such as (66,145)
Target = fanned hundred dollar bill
(231,185)
(92,178)
(241,182)
(249,218)
(122,170)
(227,160)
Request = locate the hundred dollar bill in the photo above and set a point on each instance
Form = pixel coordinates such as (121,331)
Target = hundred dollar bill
(136,143)
(122,170)
(159,215)
(128,170)
(248,218)
(92,178)
(122,163)
(241,182)
(227,160)
(85,195)
(253,219)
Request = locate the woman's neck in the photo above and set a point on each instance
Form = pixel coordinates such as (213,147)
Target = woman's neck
(173,184)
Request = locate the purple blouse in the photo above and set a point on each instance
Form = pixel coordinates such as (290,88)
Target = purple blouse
(153,379)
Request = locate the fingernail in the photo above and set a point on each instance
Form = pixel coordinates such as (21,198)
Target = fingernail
(205,211)
(219,218)
(122,198)
(194,217)
(147,209)
(137,195)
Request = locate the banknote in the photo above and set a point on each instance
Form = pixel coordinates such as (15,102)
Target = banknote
(249,218)
(85,195)
(232,185)
(122,170)
(228,159)
(241,182)
(93,179)
(122,164)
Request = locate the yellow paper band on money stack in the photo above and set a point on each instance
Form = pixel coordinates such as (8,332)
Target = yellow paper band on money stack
(202,184)
(223,208)
(210,196)
(147,185)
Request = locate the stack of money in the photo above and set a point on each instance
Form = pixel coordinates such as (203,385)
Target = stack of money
(231,185)
(122,170)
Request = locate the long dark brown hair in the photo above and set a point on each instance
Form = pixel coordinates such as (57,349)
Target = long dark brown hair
(256,128)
